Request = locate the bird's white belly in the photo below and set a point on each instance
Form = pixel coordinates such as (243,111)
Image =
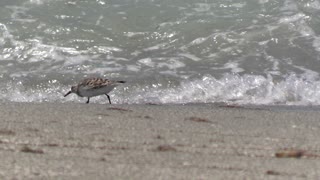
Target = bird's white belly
(95,92)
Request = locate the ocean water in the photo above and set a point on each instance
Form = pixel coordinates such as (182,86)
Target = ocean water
(258,52)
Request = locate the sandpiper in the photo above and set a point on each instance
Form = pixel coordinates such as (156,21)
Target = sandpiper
(94,87)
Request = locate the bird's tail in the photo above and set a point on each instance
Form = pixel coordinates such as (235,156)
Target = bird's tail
(121,81)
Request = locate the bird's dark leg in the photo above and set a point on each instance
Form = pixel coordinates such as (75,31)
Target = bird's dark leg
(108,98)
(88,100)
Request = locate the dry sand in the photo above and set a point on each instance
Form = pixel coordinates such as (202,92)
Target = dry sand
(91,141)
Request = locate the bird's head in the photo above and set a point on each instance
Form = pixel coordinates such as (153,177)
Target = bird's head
(73,90)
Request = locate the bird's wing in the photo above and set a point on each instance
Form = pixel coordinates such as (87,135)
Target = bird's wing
(95,83)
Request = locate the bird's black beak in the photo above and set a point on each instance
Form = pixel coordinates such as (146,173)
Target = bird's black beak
(67,94)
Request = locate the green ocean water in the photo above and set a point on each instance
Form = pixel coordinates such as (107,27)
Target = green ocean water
(181,51)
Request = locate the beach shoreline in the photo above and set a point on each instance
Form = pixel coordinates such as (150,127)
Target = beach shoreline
(194,141)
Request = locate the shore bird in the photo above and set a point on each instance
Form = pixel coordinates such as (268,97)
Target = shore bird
(94,87)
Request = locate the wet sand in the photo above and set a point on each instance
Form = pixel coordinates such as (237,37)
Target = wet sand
(82,141)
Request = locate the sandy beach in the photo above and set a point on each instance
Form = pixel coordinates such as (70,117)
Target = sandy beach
(83,141)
